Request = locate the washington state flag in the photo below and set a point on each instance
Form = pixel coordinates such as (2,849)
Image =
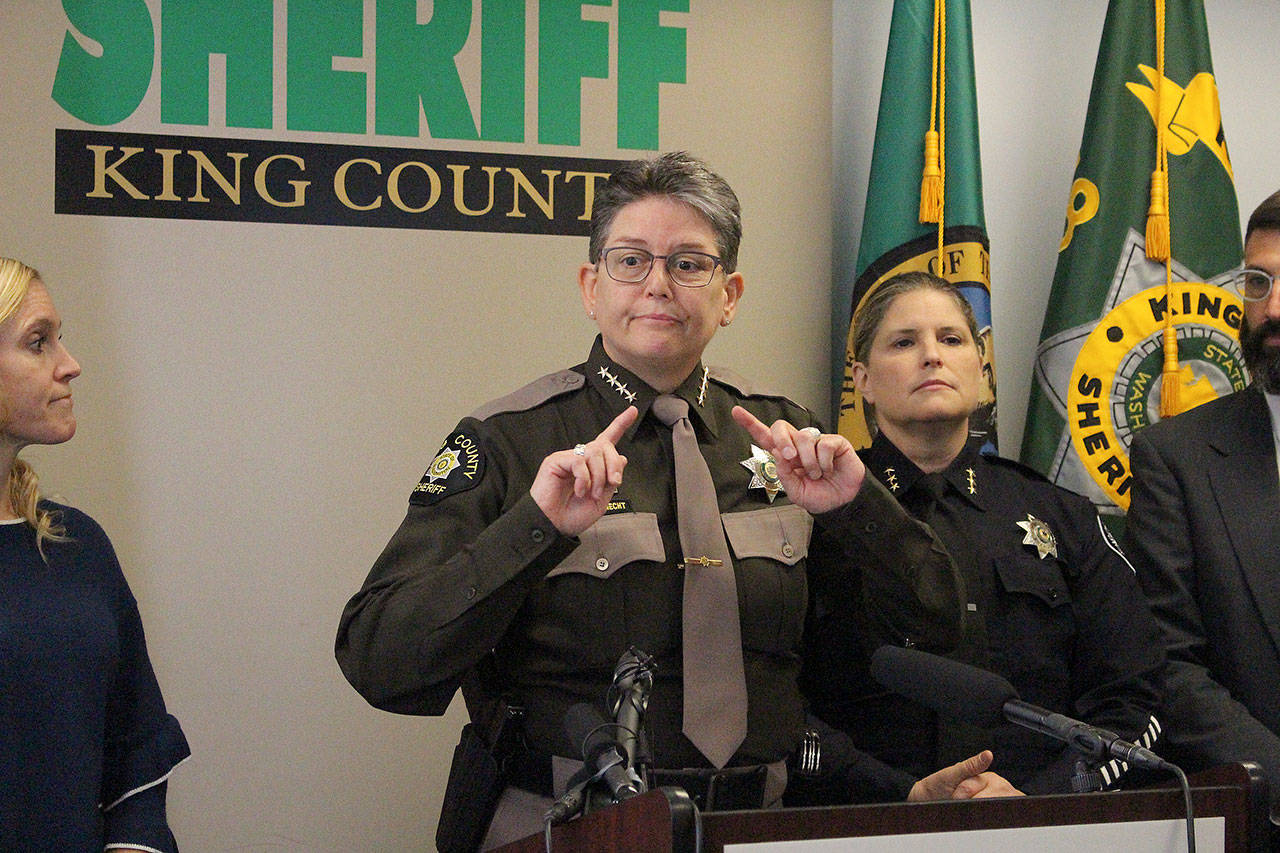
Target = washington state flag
(1106,363)
(924,195)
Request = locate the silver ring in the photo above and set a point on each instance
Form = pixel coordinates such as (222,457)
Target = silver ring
(579,450)
(813,431)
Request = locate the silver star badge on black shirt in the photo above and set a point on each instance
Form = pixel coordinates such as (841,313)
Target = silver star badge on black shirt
(1039,535)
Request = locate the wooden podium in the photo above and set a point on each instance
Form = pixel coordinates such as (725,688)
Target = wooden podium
(666,820)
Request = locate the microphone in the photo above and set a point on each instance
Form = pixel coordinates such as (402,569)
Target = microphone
(586,726)
(632,681)
(982,698)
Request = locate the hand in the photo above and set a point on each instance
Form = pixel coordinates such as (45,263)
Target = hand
(573,491)
(819,472)
(969,779)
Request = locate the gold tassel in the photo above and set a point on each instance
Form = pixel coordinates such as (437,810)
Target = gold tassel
(1158,217)
(931,181)
(1170,381)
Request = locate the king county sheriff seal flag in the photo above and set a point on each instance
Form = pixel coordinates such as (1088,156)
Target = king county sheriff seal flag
(924,195)
(1099,365)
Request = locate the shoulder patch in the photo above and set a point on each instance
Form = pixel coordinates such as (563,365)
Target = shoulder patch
(458,466)
(534,394)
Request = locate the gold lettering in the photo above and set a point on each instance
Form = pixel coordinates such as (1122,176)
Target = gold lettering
(167,156)
(459,203)
(299,187)
(393,187)
(205,166)
(101,171)
(546,205)
(340,184)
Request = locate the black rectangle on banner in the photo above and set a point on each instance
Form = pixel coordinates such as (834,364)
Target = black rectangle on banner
(101,173)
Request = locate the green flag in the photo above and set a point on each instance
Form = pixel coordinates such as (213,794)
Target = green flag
(893,238)
(1099,364)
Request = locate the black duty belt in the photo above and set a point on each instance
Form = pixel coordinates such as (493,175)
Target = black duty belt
(712,790)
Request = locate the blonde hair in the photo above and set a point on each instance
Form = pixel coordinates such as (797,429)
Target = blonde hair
(23,485)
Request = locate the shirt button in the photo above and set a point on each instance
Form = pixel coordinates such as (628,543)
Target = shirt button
(1053,595)
(871,527)
(469,593)
(787,550)
(602,564)
(537,535)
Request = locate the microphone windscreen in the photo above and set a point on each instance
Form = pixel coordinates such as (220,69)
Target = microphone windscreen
(953,689)
(586,728)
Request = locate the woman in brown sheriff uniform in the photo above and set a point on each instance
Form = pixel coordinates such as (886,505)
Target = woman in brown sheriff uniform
(1052,604)
(545,538)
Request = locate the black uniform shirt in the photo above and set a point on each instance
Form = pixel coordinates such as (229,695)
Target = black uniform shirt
(477,566)
(1052,605)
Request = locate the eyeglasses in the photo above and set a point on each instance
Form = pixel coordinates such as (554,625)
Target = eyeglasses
(1254,284)
(687,269)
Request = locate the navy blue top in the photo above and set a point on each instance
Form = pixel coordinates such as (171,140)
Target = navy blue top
(85,741)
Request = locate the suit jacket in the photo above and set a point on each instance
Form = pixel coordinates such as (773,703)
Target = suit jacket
(1203,533)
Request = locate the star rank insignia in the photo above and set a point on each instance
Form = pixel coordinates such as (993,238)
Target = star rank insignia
(1039,535)
(764,472)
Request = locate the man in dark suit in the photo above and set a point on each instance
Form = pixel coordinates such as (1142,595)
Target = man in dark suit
(1203,536)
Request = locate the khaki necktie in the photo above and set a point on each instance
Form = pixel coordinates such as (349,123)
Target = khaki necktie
(715,685)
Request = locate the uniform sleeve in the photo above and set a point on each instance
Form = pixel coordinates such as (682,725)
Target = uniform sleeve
(1118,664)
(1209,723)
(891,569)
(143,741)
(445,589)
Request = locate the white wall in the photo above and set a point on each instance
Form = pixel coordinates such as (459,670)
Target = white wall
(257,400)
(1034,63)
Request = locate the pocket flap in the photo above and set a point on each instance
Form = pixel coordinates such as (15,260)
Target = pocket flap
(612,542)
(778,532)
(1041,578)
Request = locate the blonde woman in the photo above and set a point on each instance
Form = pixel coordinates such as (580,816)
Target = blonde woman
(85,742)
(1051,603)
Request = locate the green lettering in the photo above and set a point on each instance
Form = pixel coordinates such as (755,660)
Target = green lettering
(106,88)
(648,54)
(415,65)
(569,49)
(321,98)
(192,30)
(502,70)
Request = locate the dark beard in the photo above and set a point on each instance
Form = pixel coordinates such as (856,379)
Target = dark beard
(1263,361)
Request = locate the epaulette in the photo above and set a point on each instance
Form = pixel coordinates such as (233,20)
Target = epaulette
(735,382)
(1004,462)
(534,394)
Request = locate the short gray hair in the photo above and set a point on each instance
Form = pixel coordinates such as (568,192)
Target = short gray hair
(677,175)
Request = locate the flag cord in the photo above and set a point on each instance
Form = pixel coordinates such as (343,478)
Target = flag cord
(933,180)
(1159,239)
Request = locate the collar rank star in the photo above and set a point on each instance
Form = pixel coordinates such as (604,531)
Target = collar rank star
(618,385)
(1039,535)
(764,472)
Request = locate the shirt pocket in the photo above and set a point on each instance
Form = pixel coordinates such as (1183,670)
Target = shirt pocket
(1041,579)
(769,546)
(778,533)
(613,542)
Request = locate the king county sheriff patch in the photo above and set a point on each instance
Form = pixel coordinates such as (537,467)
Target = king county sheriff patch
(458,466)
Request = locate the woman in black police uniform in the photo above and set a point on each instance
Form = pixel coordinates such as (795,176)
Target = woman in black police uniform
(1051,602)
(545,529)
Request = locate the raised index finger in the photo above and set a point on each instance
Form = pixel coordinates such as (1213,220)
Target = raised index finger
(614,432)
(759,433)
